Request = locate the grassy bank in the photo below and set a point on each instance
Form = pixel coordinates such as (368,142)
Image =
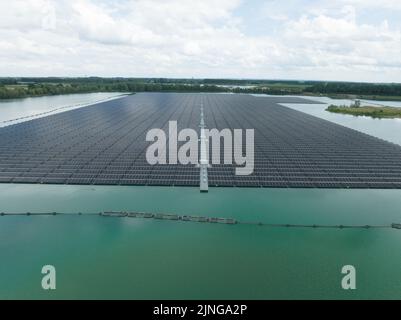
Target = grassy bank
(369,111)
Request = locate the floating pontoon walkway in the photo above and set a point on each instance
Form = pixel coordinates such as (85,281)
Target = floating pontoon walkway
(199,219)
(203,159)
(105,144)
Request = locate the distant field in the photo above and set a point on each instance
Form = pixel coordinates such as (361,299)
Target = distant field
(284,86)
(361,97)
(16,86)
(381,98)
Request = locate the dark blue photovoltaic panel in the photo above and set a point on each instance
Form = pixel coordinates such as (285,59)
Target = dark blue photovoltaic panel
(104,144)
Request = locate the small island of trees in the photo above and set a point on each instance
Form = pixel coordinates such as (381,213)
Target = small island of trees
(368,111)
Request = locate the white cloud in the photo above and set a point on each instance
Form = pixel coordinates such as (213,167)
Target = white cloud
(382,4)
(207,38)
(343,43)
(25,14)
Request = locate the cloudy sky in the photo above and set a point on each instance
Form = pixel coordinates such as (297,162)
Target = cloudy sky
(355,40)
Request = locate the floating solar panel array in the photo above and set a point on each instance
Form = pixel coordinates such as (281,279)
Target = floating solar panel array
(105,144)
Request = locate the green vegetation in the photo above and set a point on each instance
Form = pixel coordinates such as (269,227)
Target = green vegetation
(42,87)
(372,89)
(369,111)
(30,87)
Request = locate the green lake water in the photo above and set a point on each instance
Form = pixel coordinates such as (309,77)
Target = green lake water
(97,257)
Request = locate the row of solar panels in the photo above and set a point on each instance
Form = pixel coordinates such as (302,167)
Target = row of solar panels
(217,183)
(99,144)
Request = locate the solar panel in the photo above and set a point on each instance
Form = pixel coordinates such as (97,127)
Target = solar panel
(106,144)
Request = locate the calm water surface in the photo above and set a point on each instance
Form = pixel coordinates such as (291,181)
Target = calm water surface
(16,108)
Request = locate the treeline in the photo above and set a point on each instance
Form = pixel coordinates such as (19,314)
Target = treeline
(97,80)
(254,82)
(356,88)
(38,89)
(30,87)
(234,82)
(274,90)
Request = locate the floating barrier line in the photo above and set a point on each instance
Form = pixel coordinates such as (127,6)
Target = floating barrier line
(199,219)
